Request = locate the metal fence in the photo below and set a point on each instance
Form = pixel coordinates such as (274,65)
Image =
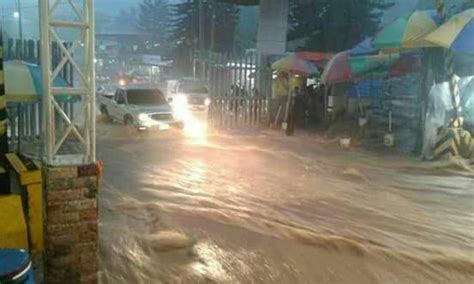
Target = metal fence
(234,86)
(234,112)
(25,119)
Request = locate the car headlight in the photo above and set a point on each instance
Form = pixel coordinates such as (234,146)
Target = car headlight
(207,101)
(144,117)
(181,99)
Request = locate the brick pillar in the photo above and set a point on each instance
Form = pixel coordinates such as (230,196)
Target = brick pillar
(71,224)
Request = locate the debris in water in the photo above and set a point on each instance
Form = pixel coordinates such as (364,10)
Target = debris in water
(329,242)
(170,240)
(454,163)
(354,174)
(345,143)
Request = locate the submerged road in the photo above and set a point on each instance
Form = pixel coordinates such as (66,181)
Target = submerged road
(258,207)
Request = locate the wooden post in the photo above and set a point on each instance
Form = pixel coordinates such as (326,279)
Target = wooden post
(17,49)
(31,51)
(38,50)
(9,54)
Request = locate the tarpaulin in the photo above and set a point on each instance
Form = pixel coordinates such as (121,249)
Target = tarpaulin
(440,110)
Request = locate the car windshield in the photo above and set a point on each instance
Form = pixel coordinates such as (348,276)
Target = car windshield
(107,88)
(145,97)
(196,88)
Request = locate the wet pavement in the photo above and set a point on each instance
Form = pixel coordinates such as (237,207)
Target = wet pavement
(257,207)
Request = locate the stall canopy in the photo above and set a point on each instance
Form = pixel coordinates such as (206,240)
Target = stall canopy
(365,47)
(295,65)
(457,34)
(318,58)
(384,65)
(344,68)
(408,32)
(24,83)
(338,69)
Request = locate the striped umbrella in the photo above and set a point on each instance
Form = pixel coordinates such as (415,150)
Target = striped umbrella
(363,65)
(343,68)
(295,65)
(365,47)
(457,34)
(408,32)
(24,83)
(338,69)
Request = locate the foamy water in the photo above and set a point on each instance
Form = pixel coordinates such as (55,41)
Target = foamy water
(263,208)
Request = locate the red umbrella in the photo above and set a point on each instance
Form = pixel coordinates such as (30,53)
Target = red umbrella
(338,69)
(406,64)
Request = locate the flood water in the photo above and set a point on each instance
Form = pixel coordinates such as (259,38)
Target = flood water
(258,207)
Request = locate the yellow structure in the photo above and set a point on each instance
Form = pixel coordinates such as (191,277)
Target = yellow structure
(30,180)
(13,233)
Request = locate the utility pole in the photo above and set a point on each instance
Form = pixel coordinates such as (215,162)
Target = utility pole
(20,28)
(20,15)
(213,26)
(202,37)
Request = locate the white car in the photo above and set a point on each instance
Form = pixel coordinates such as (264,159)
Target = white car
(190,92)
(143,106)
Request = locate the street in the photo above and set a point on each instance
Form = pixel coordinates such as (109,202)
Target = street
(258,207)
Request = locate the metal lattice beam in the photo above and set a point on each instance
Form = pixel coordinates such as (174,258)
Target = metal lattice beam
(80,130)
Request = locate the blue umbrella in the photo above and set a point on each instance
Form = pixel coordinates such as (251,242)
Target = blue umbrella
(457,34)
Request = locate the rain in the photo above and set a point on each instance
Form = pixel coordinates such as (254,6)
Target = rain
(255,141)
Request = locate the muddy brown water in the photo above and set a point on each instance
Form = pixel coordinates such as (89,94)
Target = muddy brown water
(258,207)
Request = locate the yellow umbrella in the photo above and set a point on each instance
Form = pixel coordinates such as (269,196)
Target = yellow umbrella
(407,32)
(456,34)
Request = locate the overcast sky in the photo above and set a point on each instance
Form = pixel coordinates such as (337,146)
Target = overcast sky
(113,7)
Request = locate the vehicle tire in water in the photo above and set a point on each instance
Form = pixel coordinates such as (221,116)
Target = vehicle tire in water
(128,120)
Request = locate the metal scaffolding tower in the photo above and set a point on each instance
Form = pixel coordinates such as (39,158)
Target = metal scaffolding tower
(70,21)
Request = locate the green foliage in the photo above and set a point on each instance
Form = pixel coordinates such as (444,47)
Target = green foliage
(452,6)
(218,35)
(153,17)
(468,4)
(334,25)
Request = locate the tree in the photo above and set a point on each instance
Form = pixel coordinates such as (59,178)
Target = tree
(452,6)
(219,24)
(468,4)
(218,34)
(153,18)
(333,25)
(247,28)
(126,20)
